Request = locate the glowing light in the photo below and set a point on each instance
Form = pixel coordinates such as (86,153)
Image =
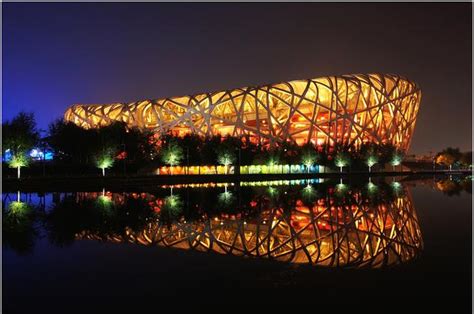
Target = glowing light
(104,161)
(236,111)
(17,161)
(396,160)
(371,187)
(371,160)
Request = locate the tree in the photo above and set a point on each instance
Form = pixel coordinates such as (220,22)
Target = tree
(105,159)
(396,159)
(466,159)
(71,142)
(341,159)
(20,134)
(309,156)
(171,154)
(448,157)
(371,160)
(226,157)
(20,159)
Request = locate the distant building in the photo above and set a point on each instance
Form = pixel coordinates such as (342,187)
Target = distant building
(347,109)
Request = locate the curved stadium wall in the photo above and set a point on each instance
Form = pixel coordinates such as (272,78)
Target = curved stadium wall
(347,109)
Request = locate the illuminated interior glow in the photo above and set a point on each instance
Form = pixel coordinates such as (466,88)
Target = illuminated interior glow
(347,109)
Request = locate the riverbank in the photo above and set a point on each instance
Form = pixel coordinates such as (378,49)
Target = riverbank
(54,183)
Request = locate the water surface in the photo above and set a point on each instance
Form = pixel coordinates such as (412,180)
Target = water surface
(286,241)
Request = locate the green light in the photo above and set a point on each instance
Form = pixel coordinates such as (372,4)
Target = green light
(226,159)
(396,186)
(341,160)
(18,209)
(396,160)
(341,188)
(105,202)
(308,192)
(19,160)
(173,202)
(371,187)
(272,191)
(372,160)
(172,154)
(308,160)
(225,198)
(104,161)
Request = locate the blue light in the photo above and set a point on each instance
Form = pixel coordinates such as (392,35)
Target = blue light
(7,156)
(38,154)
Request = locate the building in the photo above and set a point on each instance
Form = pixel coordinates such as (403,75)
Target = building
(347,109)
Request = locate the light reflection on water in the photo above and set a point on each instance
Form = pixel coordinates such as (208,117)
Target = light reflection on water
(368,225)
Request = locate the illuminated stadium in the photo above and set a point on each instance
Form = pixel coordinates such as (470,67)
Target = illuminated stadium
(347,109)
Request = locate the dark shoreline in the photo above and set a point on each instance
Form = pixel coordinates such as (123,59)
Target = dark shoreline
(99,182)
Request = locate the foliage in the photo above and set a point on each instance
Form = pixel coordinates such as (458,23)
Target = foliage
(105,159)
(341,159)
(20,134)
(226,152)
(371,160)
(75,144)
(309,155)
(171,153)
(18,230)
(397,158)
(448,156)
(466,159)
(19,160)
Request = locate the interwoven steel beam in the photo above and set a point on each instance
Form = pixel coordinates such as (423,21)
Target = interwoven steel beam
(347,109)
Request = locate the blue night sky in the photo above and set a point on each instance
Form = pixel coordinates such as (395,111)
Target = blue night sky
(55,55)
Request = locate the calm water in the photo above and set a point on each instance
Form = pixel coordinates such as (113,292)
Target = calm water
(394,242)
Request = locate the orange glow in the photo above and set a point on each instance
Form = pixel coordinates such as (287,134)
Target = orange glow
(335,109)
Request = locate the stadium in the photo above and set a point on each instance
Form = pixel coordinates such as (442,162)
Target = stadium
(346,109)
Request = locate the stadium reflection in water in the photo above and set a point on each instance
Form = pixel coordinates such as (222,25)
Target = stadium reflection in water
(370,226)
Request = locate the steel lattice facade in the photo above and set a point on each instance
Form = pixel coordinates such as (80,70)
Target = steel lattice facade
(347,109)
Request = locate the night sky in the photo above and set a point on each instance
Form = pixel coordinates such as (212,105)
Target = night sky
(55,55)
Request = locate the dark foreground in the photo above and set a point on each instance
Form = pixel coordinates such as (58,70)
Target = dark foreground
(87,276)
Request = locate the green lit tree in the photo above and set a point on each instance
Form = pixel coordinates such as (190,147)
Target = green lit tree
(371,160)
(226,157)
(341,160)
(172,154)
(104,160)
(309,158)
(19,160)
(396,159)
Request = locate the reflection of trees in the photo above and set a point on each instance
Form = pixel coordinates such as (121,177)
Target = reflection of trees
(91,212)
(356,230)
(314,224)
(454,186)
(19,231)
